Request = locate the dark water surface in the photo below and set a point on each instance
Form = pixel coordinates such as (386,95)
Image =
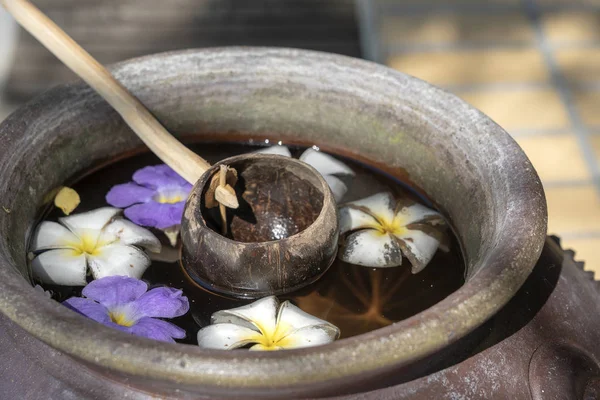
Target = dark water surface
(354,298)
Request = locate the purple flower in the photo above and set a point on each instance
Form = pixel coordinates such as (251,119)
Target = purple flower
(156,198)
(125,304)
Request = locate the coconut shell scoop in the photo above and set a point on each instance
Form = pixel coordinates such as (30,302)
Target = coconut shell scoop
(282,236)
(254,225)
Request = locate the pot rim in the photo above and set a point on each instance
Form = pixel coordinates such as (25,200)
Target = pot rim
(507,267)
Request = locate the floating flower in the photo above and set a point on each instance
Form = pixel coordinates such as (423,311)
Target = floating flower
(156,198)
(325,164)
(378,230)
(98,239)
(268,325)
(67,200)
(126,304)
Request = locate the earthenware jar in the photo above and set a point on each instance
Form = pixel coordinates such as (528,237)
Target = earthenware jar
(453,154)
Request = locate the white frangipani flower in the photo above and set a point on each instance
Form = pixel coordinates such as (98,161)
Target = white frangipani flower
(378,230)
(325,164)
(268,325)
(98,239)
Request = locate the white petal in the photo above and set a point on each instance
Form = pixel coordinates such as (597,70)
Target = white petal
(415,213)
(295,318)
(338,188)
(262,347)
(60,267)
(126,232)
(382,205)
(52,235)
(309,336)
(324,163)
(351,219)
(225,336)
(172,233)
(371,249)
(281,150)
(259,315)
(118,259)
(91,220)
(421,248)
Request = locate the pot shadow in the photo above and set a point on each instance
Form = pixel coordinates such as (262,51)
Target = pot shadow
(514,316)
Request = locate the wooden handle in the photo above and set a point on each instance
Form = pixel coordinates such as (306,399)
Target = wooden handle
(184,161)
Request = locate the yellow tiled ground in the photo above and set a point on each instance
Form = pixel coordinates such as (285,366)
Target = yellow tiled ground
(445,2)
(551,153)
(596,145)
(521,108)
(579,64)
(571,26)
(452,28)
(569,3)
(573,209)
(588,102)
(507,75)
(473,66)
(586,250)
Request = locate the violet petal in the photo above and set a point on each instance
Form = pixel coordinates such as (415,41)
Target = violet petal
(156,176)
(162,302)
(88,308)
(157,329)
(156,215)
(127,194)
(112,291)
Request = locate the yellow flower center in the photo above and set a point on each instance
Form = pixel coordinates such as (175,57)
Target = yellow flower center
(120,318)
(273,340)
(88,244)
(395,227)
(168,198)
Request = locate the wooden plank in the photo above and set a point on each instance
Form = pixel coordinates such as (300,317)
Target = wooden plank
(32,60)
(114,30)
(238,5)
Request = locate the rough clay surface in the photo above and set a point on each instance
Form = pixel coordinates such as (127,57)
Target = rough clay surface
(466,163)
(536,348)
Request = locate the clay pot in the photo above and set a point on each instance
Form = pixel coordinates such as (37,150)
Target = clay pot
(465,163)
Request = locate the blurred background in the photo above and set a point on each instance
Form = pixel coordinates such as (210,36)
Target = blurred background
(531,65)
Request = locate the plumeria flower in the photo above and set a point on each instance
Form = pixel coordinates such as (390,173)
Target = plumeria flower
(266,325)
(126,304)
(378,230)
(156,198)
(99,240)
(329,167)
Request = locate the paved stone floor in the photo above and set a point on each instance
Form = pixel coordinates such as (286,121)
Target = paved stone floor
(533,66)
